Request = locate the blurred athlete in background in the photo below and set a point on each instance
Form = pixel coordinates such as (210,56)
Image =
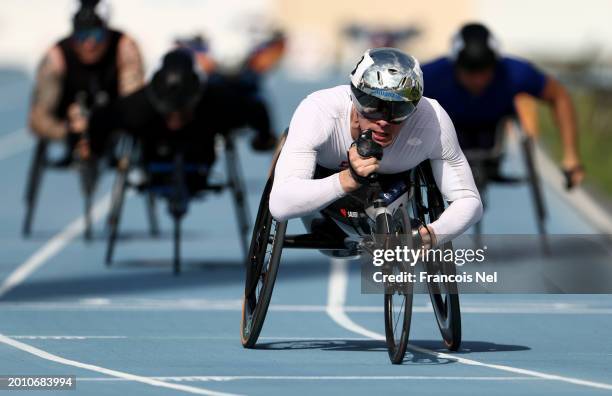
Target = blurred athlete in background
(93,66)
(241,61)
(478,86)
(178,110)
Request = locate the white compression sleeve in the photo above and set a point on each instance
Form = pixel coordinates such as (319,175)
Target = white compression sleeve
(294,192)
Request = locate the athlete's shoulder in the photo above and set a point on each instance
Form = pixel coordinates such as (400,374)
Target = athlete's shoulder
(340,93)
(53,61)
(127,43)
(331,101)
(429,107)
(439,65)
(516,65)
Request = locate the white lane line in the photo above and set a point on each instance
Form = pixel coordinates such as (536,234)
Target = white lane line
(14,143)
(53,246)
(337,287)
(207,378)
(113,373)
(235,305)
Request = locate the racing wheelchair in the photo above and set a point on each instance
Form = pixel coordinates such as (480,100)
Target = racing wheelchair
(178,182)
(88,170)
(388,209)
(485,168)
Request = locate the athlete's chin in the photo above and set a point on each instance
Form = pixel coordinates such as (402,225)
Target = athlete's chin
(383,139)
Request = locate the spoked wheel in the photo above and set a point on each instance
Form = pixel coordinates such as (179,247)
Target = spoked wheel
(429,205)
(445,301)
(398,296)
(262,266)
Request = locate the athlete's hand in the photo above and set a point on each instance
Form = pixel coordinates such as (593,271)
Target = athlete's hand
(83,150)
(264,142)
(428,237)
(77,122)
(573,172)
(362,166)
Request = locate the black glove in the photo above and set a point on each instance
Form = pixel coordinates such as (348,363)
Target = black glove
(569,173)
(264,142)
(366,148)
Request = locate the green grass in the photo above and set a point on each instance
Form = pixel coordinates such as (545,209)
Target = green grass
(594,110)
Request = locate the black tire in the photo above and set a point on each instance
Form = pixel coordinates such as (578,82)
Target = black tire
(114,216)
(429,204)
(35,175)
(536,191)
(152,214)
(238,191)
(398,298)
(87,177)
(177,247)
(262,266)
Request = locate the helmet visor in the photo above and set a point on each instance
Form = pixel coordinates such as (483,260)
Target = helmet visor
(374,108)
(97,34)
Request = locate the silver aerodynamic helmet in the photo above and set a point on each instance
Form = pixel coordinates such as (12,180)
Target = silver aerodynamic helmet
(386,84)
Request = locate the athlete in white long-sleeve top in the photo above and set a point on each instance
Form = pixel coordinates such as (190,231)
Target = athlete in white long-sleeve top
(386,87)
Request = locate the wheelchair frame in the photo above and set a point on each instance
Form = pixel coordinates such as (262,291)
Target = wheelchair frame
(428,205)
(88,176)
(178,201)
(478,159)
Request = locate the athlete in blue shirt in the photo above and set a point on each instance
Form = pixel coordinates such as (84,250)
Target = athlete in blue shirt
(477,87)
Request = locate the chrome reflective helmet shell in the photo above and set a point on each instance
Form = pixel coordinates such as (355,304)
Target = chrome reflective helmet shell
(386,84)
(474,48)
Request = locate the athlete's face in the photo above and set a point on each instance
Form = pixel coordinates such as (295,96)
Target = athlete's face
(177,120)
(384,132)
(475,81)
(90,45)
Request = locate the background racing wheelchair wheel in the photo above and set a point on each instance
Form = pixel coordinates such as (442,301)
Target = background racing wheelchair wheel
(262,266)
(429,205)
(396,231)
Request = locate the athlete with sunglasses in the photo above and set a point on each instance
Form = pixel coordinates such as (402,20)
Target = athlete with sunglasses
(384,96)
(91,67)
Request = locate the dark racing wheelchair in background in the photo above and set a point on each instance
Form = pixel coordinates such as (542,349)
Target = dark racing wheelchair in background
(387,210)
(42,160)
(177,181)
(485,164)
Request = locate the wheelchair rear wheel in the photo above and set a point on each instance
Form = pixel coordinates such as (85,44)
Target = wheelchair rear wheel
(262,266)
(429,204)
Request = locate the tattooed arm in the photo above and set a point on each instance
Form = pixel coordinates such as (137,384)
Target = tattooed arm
(129,63)
(46,97)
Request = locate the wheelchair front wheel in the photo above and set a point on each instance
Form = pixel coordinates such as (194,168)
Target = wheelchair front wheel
(398,297)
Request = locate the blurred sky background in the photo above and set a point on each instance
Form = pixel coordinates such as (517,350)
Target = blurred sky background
(556,31)
(572,40)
